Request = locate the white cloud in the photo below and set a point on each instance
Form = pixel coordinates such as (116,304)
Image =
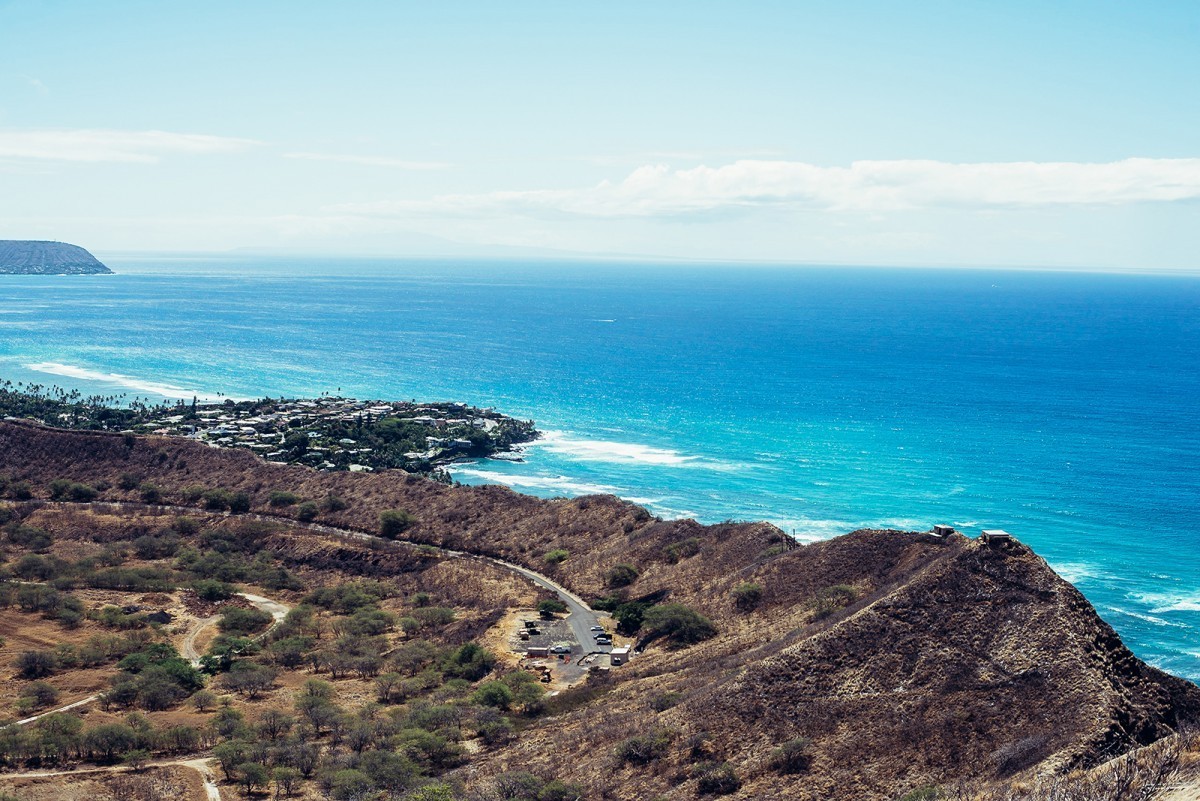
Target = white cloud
(370,161)
(657,190)
(89,145)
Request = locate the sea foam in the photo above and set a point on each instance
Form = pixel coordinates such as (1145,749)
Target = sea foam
(629,453)
(130,382)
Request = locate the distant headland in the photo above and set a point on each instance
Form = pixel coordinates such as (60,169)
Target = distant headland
(36,257)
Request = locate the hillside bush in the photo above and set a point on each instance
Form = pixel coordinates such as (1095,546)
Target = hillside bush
(283,498)
(716,778)
(747,596)
(394,522)
(794,756)
(238,621)
(556,556)
(679,624)
(832,599)
(621,575)
(644,749)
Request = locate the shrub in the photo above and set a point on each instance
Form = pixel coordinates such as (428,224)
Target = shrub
(922,794)
(36,664)
(678,623)
(716,778)
(556,556)
(192,493)
(150,493)
(212,590)
(664,701)
(746,596)
(39,695)
(236,620)
(794,756)
(621,575)
(833,598)
(681,550)
(551,607)
(129,481)
(434,615)
(249,679)
(82,493)
(470,661)
(307,512)
(493,693)
(332,503)
(394,522)
(20,491)
(282,498)
(644,749)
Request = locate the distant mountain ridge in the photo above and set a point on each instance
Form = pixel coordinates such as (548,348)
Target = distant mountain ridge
(38,257)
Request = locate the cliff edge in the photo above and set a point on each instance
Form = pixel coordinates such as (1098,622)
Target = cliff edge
(36,257)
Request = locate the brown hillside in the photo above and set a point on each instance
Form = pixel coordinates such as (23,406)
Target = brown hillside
(901,659)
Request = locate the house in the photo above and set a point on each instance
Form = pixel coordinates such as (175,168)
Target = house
(537,650)
(619,656)
(942,530)
(995,535)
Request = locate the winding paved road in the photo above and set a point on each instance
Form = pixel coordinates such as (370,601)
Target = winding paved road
(581,619)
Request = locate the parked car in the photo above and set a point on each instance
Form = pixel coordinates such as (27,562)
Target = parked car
(597,628)
(560,649)
(603,641)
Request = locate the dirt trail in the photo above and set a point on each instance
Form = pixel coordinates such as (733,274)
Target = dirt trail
(275,609)
(200,765)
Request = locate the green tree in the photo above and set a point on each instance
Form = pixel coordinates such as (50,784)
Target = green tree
(287,780)
(251,776)
(493,693)
(350,785)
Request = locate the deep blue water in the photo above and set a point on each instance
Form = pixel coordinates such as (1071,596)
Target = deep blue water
(1061,407)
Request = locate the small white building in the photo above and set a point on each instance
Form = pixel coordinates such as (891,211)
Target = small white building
(618,656)
(943,530)
(995,535)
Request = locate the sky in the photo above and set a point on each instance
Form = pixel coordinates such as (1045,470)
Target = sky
(1062,134)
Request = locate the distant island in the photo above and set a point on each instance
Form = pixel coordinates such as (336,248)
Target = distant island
(36,257)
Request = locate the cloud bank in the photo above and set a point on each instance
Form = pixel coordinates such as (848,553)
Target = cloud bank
(97,146)
(869,186)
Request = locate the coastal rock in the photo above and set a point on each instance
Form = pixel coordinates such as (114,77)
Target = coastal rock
(36,257)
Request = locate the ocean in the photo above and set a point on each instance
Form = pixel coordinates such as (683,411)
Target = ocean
(1062,407)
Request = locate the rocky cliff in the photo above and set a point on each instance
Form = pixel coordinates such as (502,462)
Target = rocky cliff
(34,257)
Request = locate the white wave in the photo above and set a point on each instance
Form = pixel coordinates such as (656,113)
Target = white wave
(139,384)
(1075,572)
(561,484)
(1171,602)
(810,530)
(599,450)
(1157,621)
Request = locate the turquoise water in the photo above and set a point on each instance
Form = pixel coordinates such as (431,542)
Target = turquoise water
(1061,407)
